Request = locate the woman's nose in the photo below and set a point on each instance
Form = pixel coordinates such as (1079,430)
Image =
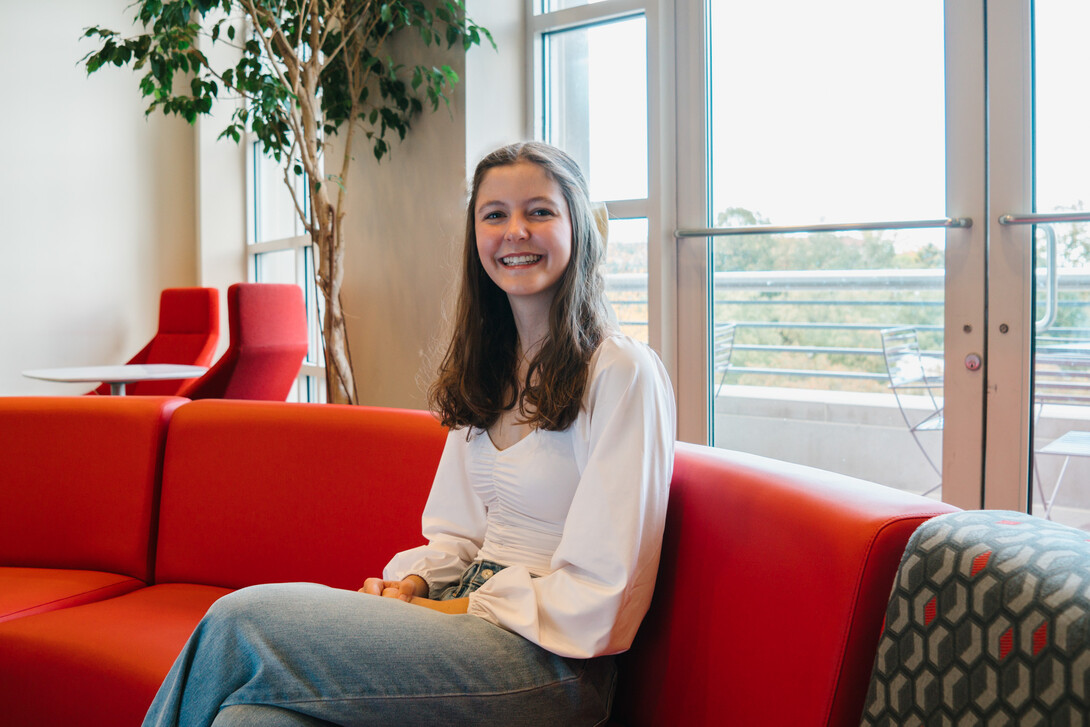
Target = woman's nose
(516,228)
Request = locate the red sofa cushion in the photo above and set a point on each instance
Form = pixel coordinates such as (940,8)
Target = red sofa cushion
(259,492)
(80,481)
(770,595)
(27,591)
(105,659)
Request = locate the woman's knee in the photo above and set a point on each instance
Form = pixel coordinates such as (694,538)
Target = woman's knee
(263,604)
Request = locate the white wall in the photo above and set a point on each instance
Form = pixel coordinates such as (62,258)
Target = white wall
(221,201)
(496,80)
(96,203)
(402,234)
(405,230)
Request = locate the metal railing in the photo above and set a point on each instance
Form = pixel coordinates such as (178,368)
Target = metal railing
(846,288)
(947,222)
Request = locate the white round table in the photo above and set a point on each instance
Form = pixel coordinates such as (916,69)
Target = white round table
(118,376)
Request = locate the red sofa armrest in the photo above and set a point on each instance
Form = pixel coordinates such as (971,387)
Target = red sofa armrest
(771,590)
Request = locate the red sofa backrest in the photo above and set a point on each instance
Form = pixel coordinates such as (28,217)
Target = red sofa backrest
(770,596)
(79,481)
(257,492)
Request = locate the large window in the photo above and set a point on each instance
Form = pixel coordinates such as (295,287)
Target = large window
(591,100)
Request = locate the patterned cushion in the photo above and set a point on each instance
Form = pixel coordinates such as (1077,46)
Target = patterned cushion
(988,624)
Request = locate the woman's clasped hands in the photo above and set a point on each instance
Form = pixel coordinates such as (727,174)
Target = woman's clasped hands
(407,589)
(414,590)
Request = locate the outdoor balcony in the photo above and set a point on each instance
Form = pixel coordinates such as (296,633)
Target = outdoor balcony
(807,380)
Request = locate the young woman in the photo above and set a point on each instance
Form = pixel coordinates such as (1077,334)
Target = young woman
(544,522)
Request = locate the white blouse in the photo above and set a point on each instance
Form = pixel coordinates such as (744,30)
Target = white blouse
(576,515)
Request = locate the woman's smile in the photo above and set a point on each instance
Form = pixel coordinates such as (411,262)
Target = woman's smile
(519,260)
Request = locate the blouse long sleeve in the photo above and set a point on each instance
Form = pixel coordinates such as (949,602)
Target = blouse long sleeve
(603,570)
(453,522)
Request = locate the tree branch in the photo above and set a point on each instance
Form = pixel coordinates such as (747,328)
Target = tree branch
(259,17)
(336,12)
(291,61)
(288,171)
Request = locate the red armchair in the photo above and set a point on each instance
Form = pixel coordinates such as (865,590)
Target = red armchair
(268,328)
(189,329)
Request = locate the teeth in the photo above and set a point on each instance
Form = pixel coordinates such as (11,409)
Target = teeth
(520,259)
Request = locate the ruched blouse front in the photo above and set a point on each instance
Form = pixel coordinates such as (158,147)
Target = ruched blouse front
(527,490)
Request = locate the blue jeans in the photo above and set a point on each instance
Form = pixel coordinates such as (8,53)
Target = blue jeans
(472,578)
(304,654)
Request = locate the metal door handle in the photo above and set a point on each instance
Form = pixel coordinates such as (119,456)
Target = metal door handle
(1045,220)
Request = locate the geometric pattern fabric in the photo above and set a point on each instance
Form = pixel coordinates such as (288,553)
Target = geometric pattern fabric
(988,624)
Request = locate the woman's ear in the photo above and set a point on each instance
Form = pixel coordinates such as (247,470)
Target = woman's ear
(601,220)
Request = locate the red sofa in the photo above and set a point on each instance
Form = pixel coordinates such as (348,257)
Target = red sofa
(123,519)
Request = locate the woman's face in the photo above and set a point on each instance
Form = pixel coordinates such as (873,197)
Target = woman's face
(524,231)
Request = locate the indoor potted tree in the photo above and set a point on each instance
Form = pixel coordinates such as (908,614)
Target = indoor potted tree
(306,69)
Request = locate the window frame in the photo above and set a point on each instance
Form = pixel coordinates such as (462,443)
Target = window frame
(658,207)
(310,383)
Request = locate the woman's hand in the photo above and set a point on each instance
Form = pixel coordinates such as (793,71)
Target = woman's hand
(406,589)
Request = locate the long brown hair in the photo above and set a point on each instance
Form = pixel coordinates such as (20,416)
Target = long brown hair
(478,377)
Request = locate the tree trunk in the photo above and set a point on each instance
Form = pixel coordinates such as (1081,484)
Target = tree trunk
(339,380)
(329,273)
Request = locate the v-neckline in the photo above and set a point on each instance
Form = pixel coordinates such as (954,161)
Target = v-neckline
(508,448)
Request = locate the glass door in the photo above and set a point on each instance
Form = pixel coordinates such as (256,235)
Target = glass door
(895,242)
(828,236)
(1042,255)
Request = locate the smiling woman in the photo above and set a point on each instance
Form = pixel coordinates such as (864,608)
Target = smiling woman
(544,521)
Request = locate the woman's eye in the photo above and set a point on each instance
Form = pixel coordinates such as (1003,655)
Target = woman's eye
(492,216)
(541,212)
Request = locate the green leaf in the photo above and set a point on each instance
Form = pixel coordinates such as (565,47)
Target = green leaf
(167,46)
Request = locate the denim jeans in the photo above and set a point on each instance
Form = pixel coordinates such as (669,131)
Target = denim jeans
(472,578)
(304,654)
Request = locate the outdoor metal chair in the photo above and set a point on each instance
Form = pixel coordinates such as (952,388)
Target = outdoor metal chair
(722,350)
(1061,378)
(912,373)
